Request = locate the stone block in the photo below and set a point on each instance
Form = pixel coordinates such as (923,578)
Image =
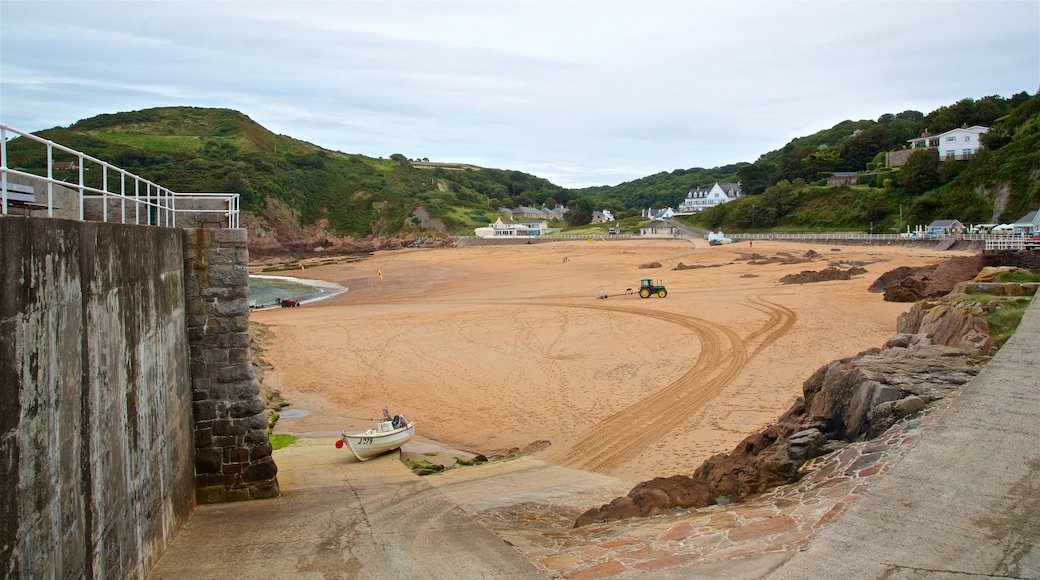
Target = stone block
(196,320)
(216,357)
(240,323)
(233,373)
(260,471)
(228,276)
(231,236)
(259,421)
(257,435)
(232,308)
(207,461)
(238,355)
(224,441)
(238,494)
(227,427)
(260,451)
(204,410)
(246,408)
(246,389)
(211,495)
(203,438)
(264,489)
(219,392)
(236,455)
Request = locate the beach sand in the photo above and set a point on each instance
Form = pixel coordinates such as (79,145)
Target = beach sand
(511,348)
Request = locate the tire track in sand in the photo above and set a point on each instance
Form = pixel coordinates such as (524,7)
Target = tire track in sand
(632,430)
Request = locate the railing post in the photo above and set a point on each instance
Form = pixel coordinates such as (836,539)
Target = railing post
(82,202)
(3,169)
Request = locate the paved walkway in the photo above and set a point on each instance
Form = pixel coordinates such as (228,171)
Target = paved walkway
(955,493)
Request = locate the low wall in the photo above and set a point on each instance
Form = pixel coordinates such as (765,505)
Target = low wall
(95,398)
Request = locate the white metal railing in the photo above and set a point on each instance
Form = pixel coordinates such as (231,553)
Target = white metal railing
(1000,243)
(135,199)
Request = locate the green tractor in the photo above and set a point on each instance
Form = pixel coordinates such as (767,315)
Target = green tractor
(647,287)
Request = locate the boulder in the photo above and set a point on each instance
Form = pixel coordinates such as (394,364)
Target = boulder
(906,284)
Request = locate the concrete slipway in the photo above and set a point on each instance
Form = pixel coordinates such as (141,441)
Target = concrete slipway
(964,502)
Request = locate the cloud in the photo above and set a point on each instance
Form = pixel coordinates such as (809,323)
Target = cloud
(579,92)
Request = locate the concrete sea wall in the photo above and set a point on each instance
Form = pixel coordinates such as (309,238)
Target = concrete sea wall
(126,392)
(95,401)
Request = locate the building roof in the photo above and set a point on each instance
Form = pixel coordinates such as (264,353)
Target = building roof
(1028,218)
(943,223)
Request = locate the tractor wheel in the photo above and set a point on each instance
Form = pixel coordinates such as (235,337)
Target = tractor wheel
(662,293)
(644,292)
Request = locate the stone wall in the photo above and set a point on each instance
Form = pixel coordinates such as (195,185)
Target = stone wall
(232,453)
(1025,259)
(95,398)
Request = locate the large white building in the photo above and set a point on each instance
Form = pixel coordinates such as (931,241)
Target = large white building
(698,200)
(960,143)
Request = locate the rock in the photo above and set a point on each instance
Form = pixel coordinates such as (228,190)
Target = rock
(928,281)
(650,265)
(825,275)
(891,277)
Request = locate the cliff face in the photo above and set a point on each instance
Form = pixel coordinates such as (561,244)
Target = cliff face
(939,348)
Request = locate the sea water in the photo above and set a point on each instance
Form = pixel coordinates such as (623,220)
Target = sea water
(264,291)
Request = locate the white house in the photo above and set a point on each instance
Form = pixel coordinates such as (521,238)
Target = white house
(958,144)
(507,228)
(698,200)
(1028,224)
(600,217)
(659,214)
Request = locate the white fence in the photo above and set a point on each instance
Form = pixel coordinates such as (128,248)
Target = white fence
(122,196)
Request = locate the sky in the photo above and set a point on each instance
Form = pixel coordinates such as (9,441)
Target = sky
(579,92)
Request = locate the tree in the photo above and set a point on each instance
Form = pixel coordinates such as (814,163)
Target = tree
(579,213)
(920,172)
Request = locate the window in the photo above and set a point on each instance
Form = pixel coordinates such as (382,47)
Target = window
(967,138)
(967,152)
(951,139)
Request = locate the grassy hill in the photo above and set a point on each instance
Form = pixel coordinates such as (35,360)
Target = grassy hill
(218,150)
(351,195)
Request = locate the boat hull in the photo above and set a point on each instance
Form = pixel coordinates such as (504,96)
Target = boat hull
(371,444)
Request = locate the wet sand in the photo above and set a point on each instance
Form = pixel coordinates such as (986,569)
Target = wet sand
(512,348)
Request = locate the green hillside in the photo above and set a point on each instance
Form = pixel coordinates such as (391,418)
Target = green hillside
(218,150)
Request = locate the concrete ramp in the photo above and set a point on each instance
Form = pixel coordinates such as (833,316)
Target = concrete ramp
(339,518)
(965,501)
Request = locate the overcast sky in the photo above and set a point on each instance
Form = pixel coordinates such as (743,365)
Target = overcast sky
(579,92)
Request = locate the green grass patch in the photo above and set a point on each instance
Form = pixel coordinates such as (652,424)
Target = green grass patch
(280,441)
(1004,316)
(164,143)
(1016,277)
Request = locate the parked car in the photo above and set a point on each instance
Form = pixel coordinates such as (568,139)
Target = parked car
(1033,243)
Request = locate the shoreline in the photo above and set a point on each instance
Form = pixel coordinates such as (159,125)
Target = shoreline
(333,288)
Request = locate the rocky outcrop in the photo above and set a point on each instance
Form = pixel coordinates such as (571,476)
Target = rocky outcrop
(848,400)
(927,282)
(276,234)
(825,275)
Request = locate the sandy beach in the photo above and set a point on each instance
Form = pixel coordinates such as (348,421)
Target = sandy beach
(493,349)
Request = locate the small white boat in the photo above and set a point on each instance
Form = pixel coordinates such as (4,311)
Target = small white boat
(391,433)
